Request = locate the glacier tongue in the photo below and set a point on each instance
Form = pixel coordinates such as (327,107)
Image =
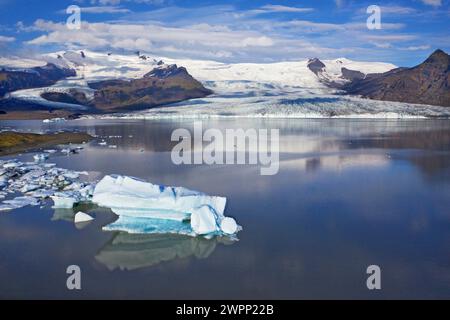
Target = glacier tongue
(145,207)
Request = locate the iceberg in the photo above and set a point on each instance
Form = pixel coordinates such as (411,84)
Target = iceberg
(64,200)
(40,157)
(144,207)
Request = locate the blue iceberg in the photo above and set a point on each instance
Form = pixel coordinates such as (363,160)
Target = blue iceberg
(144,207)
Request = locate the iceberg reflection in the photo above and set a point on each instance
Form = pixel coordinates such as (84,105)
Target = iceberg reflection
(134,251)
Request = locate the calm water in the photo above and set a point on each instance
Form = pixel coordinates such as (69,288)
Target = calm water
(348,194)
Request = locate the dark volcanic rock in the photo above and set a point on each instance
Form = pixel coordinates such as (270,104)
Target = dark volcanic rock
(427,83)
(162,85)
(316,66)
(352,74)
(72,96)
(12,80)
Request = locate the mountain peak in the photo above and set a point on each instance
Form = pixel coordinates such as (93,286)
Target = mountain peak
(165,71)
(438,56)
(316,66)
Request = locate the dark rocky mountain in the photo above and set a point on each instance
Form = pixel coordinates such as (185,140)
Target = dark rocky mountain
(12,80)
(352,75)
(163,85)
(316,66)
(427,83)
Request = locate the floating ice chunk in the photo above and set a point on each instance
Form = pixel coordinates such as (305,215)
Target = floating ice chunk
(87,191)
(69,150)
(103,143)
(135,225)
(204,221)
(40,157)
(112,146)
(12,164)
(50,151)
(82,217)
(229,226)
(130,193)
(29,187)
(41,193)
(153,214)
(6,207)
(20,202)
(64,200)
(147,208)
(53,120)
(71,175)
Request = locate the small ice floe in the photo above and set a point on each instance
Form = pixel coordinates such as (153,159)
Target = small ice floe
(64,200)
(190,210)
(54,120)
(82,217)
(40,157)
(12,164)
(29,187)
(18,202)
(69,151)
(50,151)
(102,143)
(112,146)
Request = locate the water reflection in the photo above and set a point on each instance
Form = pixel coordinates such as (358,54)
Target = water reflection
(135,251)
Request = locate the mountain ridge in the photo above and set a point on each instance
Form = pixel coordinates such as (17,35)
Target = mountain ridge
(427,83)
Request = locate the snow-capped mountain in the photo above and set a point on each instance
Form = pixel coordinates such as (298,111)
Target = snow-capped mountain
(92,66)
(307,88)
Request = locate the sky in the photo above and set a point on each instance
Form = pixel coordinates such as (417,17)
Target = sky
(231,31)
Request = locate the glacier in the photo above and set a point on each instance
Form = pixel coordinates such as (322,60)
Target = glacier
(252,90)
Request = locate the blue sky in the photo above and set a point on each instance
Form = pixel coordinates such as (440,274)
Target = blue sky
(231,31)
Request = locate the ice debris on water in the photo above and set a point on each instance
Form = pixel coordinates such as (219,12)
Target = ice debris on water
(37,181)
(142,207)
(40,157)
(54,120)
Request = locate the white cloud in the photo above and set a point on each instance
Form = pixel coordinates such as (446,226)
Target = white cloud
(104,9)
(116,2)
(339,3)
(434,3)
(280,8)
(416,48)
(397,10)
(391,37)
(382,45)
(7,39)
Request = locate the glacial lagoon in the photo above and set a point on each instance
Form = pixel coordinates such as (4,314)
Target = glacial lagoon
(348,194)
